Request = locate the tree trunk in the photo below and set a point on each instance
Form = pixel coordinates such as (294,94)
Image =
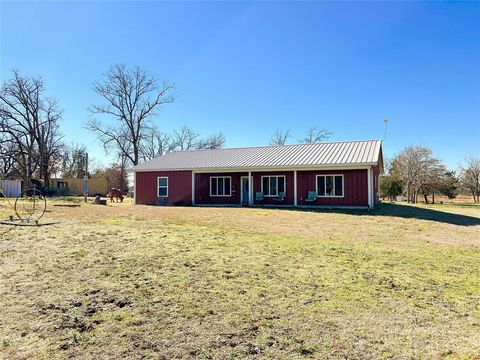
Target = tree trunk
(433,197)
(135,153)
(46,175)
(426,198)
(28,172)
(122,177)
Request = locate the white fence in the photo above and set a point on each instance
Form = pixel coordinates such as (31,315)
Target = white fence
(11,188)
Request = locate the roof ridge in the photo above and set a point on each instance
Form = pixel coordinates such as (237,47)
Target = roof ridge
(274,146)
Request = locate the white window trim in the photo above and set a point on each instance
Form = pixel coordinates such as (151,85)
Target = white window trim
(277,176)
(325,184)
(163,186)
(221,177)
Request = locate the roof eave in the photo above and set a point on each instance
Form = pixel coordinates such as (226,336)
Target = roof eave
(266,168)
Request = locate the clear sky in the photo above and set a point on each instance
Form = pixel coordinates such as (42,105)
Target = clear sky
(249,68)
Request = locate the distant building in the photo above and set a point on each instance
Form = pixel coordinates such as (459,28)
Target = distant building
(74,186)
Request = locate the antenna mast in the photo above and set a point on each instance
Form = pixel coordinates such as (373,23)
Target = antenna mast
(385,121)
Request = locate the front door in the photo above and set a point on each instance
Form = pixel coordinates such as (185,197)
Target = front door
(244,192)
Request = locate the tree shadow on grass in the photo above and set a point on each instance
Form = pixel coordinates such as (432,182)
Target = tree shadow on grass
(412,212)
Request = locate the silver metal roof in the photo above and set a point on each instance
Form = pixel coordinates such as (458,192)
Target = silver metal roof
(328,154)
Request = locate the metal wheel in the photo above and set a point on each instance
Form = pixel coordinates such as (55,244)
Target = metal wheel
(30,205)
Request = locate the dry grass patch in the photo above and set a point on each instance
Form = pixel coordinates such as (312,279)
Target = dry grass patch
(153,282)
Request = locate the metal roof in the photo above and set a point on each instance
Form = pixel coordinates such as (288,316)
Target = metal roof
(328,154)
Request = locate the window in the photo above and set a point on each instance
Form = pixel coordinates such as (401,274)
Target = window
(220,186)
(272,185)
(330,185)
(162,186)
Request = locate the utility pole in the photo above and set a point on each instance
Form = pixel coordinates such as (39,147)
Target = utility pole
(85,179)
(42,154)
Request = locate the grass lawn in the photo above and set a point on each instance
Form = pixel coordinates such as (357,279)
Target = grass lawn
(127,281)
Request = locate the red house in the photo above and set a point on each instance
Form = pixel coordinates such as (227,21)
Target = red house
(334,174)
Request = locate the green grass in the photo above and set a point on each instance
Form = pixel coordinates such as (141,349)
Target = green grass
(150,282)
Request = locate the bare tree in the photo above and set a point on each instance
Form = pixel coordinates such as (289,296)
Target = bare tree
(189,139)
(73,161)
(122,178)
(430,181)
(49,140)
(8,156)
(19,107)
(30,121)
(185,139)
(415,166)
(314,136)
(470,177)
(154,143)
(131,97)
(216,141)
(280,137)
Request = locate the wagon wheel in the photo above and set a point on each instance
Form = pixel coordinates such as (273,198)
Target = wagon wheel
(30,205)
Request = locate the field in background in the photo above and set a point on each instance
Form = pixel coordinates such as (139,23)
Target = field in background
(459,199)
(177,282)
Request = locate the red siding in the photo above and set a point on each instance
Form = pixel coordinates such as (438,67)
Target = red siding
(376,179)
(257,187)
(355,188)
(179,187)
(202,189)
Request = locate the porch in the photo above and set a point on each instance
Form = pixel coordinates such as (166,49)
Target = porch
(352,188)
(240,188)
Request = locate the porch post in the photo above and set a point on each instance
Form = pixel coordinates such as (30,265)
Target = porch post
(369,185)
(295,188)
(193,187)
(250,188)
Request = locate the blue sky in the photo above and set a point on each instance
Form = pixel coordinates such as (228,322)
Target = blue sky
(249,68)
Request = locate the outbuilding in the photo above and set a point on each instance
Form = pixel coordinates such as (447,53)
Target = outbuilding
(331,174)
